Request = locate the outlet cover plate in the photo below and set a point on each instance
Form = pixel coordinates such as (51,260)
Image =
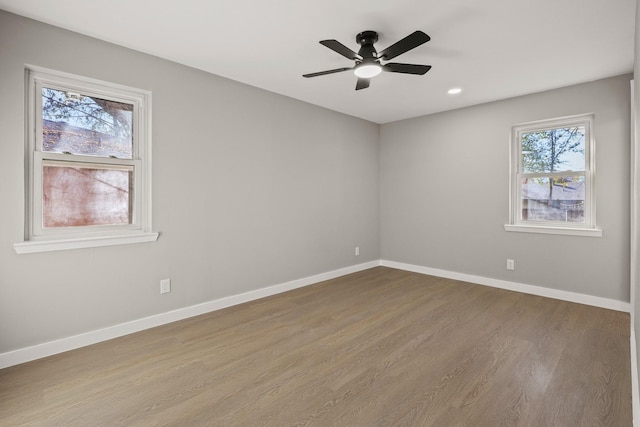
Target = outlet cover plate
(165,286)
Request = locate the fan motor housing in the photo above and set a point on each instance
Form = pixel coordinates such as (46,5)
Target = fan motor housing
(367,37)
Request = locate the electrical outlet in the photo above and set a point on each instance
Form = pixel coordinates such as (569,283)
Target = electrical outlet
(165,286)
(511,264)
(357,251)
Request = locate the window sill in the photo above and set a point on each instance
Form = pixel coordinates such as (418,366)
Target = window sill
(567,231)
(34,246)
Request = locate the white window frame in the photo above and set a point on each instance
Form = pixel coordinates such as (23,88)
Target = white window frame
(40,239)
(516,223)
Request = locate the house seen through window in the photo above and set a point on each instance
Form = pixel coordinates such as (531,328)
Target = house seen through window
(99,193)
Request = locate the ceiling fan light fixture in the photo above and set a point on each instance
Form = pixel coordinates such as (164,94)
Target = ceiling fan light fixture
(367,59)
(366,71)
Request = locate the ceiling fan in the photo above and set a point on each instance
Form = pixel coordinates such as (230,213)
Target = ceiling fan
(367,60)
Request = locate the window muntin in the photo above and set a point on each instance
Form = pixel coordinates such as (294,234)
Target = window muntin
(88,160)
(553,174)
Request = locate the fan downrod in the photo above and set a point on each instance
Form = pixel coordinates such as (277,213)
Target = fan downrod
(366,39)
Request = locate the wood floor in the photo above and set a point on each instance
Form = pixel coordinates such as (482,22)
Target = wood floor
(381,347)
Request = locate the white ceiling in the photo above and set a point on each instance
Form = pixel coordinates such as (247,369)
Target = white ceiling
(492,49)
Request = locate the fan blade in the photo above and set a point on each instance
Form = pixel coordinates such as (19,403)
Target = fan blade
(413,40)
(362,83)
(395,67)
(322,73)
(338,47)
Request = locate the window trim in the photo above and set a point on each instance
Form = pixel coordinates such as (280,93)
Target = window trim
(588,228)
(140,230)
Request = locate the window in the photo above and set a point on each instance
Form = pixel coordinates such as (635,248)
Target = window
(88,163)
(552,177)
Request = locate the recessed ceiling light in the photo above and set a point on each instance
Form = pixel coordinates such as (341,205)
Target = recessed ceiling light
(454,91)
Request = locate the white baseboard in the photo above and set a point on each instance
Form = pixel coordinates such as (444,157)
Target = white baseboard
(39,351)
(635,391)
(514,286)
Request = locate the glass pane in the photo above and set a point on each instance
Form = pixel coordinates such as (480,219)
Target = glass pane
(553,150)
(553,199)
(86,125)
(82,196)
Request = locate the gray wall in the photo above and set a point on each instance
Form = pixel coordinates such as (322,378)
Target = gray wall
(445,183)
(250,189)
